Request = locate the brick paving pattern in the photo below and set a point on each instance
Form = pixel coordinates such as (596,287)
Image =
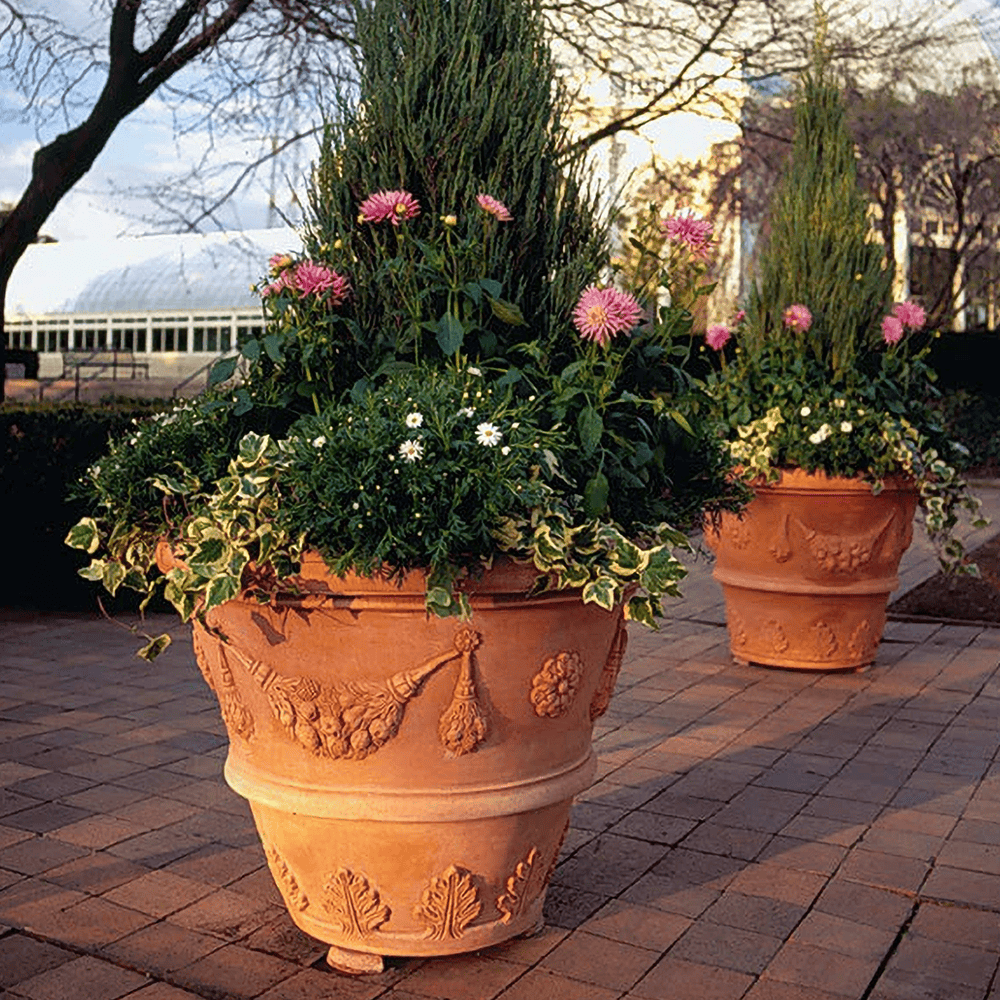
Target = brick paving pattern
(754,834)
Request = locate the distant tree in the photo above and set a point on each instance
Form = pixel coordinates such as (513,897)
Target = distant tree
(948,178)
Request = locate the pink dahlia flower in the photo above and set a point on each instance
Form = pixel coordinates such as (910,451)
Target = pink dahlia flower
(798,317)
(695,234)
(491,206)
(909,314)
(280,283)
(603,312)
(741,314)
(717,336)
(892,330)
(391,206)
(312,279)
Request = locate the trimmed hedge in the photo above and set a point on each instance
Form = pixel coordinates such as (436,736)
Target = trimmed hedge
(45,448)
(967,361)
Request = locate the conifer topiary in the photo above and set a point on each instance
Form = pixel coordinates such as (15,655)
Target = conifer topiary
(820,250)
(457,98)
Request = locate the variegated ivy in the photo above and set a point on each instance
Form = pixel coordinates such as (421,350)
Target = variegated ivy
(598,559)
(233,522)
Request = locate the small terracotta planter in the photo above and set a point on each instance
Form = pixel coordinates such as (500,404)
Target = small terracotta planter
(411,777)
(807,571)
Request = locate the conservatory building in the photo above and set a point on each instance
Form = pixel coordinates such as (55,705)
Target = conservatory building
(162,307)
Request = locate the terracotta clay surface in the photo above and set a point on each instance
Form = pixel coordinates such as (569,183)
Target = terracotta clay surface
(807,571)
(410,776)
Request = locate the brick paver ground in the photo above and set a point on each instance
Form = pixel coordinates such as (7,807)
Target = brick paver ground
(756,834)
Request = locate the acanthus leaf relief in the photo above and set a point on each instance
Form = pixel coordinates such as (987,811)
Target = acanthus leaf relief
(524,885)
(463,727)
(287,883)
(609,675)
(737,628)
(776,636)
(863,640)
(346,719)
(825,639)
(449,904)
(354,903)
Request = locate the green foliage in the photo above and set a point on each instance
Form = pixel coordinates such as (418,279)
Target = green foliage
(428,470)
(172,452)
(972,417)
(417,474)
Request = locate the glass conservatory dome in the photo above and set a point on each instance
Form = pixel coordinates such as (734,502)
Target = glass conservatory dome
(181,272)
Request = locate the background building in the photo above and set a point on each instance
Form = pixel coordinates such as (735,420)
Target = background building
(175,302)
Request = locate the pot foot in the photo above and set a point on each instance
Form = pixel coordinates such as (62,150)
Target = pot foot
(354,963)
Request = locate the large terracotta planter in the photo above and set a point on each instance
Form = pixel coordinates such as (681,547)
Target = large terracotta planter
(411,777)
(807,571)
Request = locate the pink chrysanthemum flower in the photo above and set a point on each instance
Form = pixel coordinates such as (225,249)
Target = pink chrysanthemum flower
(695,234)
(491,206)
(603,312)
(741,314)
(798,317)
(909,314)
(892,329)
(717,336)
(312,279)
(391,206)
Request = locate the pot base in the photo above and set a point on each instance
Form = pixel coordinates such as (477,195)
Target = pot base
(798,665)
(353,963)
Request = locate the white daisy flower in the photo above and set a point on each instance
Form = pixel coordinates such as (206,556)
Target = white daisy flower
(414,419)
(821,435)
(411,450)
(467,411)
(805,411)
(840,403)
(473,371)
(488,434)
(846,426)
(505,450)
(318,442)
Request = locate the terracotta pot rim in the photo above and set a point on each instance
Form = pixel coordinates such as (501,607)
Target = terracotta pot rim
(506,575)
(794,478)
